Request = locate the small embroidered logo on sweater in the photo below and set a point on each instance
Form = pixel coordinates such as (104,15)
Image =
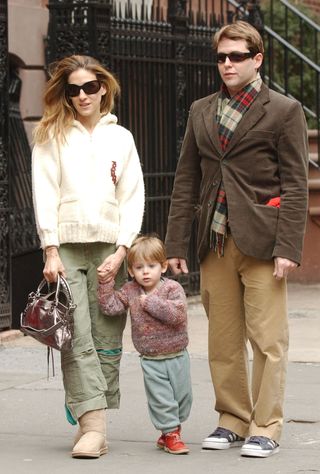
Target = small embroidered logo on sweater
(113,172)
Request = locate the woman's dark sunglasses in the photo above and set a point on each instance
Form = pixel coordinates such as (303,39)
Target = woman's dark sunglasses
(91,87)
(234,57)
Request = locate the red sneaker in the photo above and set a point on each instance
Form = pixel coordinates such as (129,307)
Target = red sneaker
(161,442)
(174,444)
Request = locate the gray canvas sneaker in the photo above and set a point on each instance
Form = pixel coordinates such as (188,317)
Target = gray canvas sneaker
(222,438)
(259,447)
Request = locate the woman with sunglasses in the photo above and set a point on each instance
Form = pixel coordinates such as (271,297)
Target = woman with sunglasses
(88,199)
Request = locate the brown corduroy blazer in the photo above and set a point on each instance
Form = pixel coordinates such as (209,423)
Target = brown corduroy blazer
(266,157)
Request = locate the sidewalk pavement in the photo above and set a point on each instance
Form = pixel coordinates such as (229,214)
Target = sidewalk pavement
(35,437)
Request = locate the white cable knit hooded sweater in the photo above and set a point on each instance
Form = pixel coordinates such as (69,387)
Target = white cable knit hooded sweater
(91,190)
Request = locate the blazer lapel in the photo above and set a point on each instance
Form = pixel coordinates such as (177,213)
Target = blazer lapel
(209,117)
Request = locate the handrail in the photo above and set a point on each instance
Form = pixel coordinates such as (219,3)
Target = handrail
(279,38)
(237,5)
(280,89)
(292,48)
(240,7)
(305,60)
(306,27)
(241,12)
(301,15)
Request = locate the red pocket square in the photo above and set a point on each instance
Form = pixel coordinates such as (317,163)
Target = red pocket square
(274,202)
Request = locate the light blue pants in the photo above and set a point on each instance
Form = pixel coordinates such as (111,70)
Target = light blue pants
(168,388)
(91,368)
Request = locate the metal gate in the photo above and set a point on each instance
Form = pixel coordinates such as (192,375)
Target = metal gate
(164,61)
(161,52)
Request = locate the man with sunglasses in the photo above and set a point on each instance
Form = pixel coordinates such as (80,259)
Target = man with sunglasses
(243,172)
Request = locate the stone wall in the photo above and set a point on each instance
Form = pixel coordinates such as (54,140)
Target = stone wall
(27,26)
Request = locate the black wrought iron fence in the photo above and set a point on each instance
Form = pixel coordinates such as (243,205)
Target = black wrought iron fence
(5,267)
(23,235)
(295,27)
(161,52)
(163,58)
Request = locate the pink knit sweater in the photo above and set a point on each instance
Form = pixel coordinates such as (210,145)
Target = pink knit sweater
(159,325)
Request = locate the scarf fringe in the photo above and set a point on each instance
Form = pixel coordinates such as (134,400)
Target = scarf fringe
(217,243)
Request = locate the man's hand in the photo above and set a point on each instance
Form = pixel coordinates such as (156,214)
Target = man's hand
(178,265)
(282,267)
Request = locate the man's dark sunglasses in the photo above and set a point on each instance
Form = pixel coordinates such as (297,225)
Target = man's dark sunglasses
(91,87)
(234,57)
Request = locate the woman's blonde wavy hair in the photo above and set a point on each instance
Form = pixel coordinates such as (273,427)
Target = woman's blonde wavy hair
(58,110)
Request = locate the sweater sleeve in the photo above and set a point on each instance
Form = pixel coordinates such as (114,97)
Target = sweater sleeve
(130,196)
(111,301)
(171,309)
(46,176)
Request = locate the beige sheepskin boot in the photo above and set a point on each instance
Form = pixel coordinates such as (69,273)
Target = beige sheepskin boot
(77,436)
(92,443)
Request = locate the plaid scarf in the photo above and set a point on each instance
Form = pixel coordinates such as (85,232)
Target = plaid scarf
(229,113)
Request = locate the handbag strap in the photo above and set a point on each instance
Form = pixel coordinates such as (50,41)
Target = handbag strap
(67,288)
(61,283)
(50,352)
(44,282)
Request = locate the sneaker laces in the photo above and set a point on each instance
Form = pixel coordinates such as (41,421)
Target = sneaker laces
(223,432)
(174,437)
(256,439)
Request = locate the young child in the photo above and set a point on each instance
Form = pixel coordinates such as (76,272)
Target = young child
(158,311)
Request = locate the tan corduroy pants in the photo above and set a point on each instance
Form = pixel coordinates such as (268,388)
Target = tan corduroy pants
(244,301)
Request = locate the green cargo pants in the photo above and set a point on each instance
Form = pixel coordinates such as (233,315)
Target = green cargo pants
(91,368)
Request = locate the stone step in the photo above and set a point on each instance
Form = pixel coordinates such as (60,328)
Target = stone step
(314,184)
(314,211)
(313,140)
(314,157)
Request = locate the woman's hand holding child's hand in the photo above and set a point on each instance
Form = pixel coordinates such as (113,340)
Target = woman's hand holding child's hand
(108,270)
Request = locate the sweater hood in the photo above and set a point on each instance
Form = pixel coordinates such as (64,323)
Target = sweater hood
(108,118)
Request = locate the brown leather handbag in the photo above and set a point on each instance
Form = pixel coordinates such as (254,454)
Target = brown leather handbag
(48,316)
